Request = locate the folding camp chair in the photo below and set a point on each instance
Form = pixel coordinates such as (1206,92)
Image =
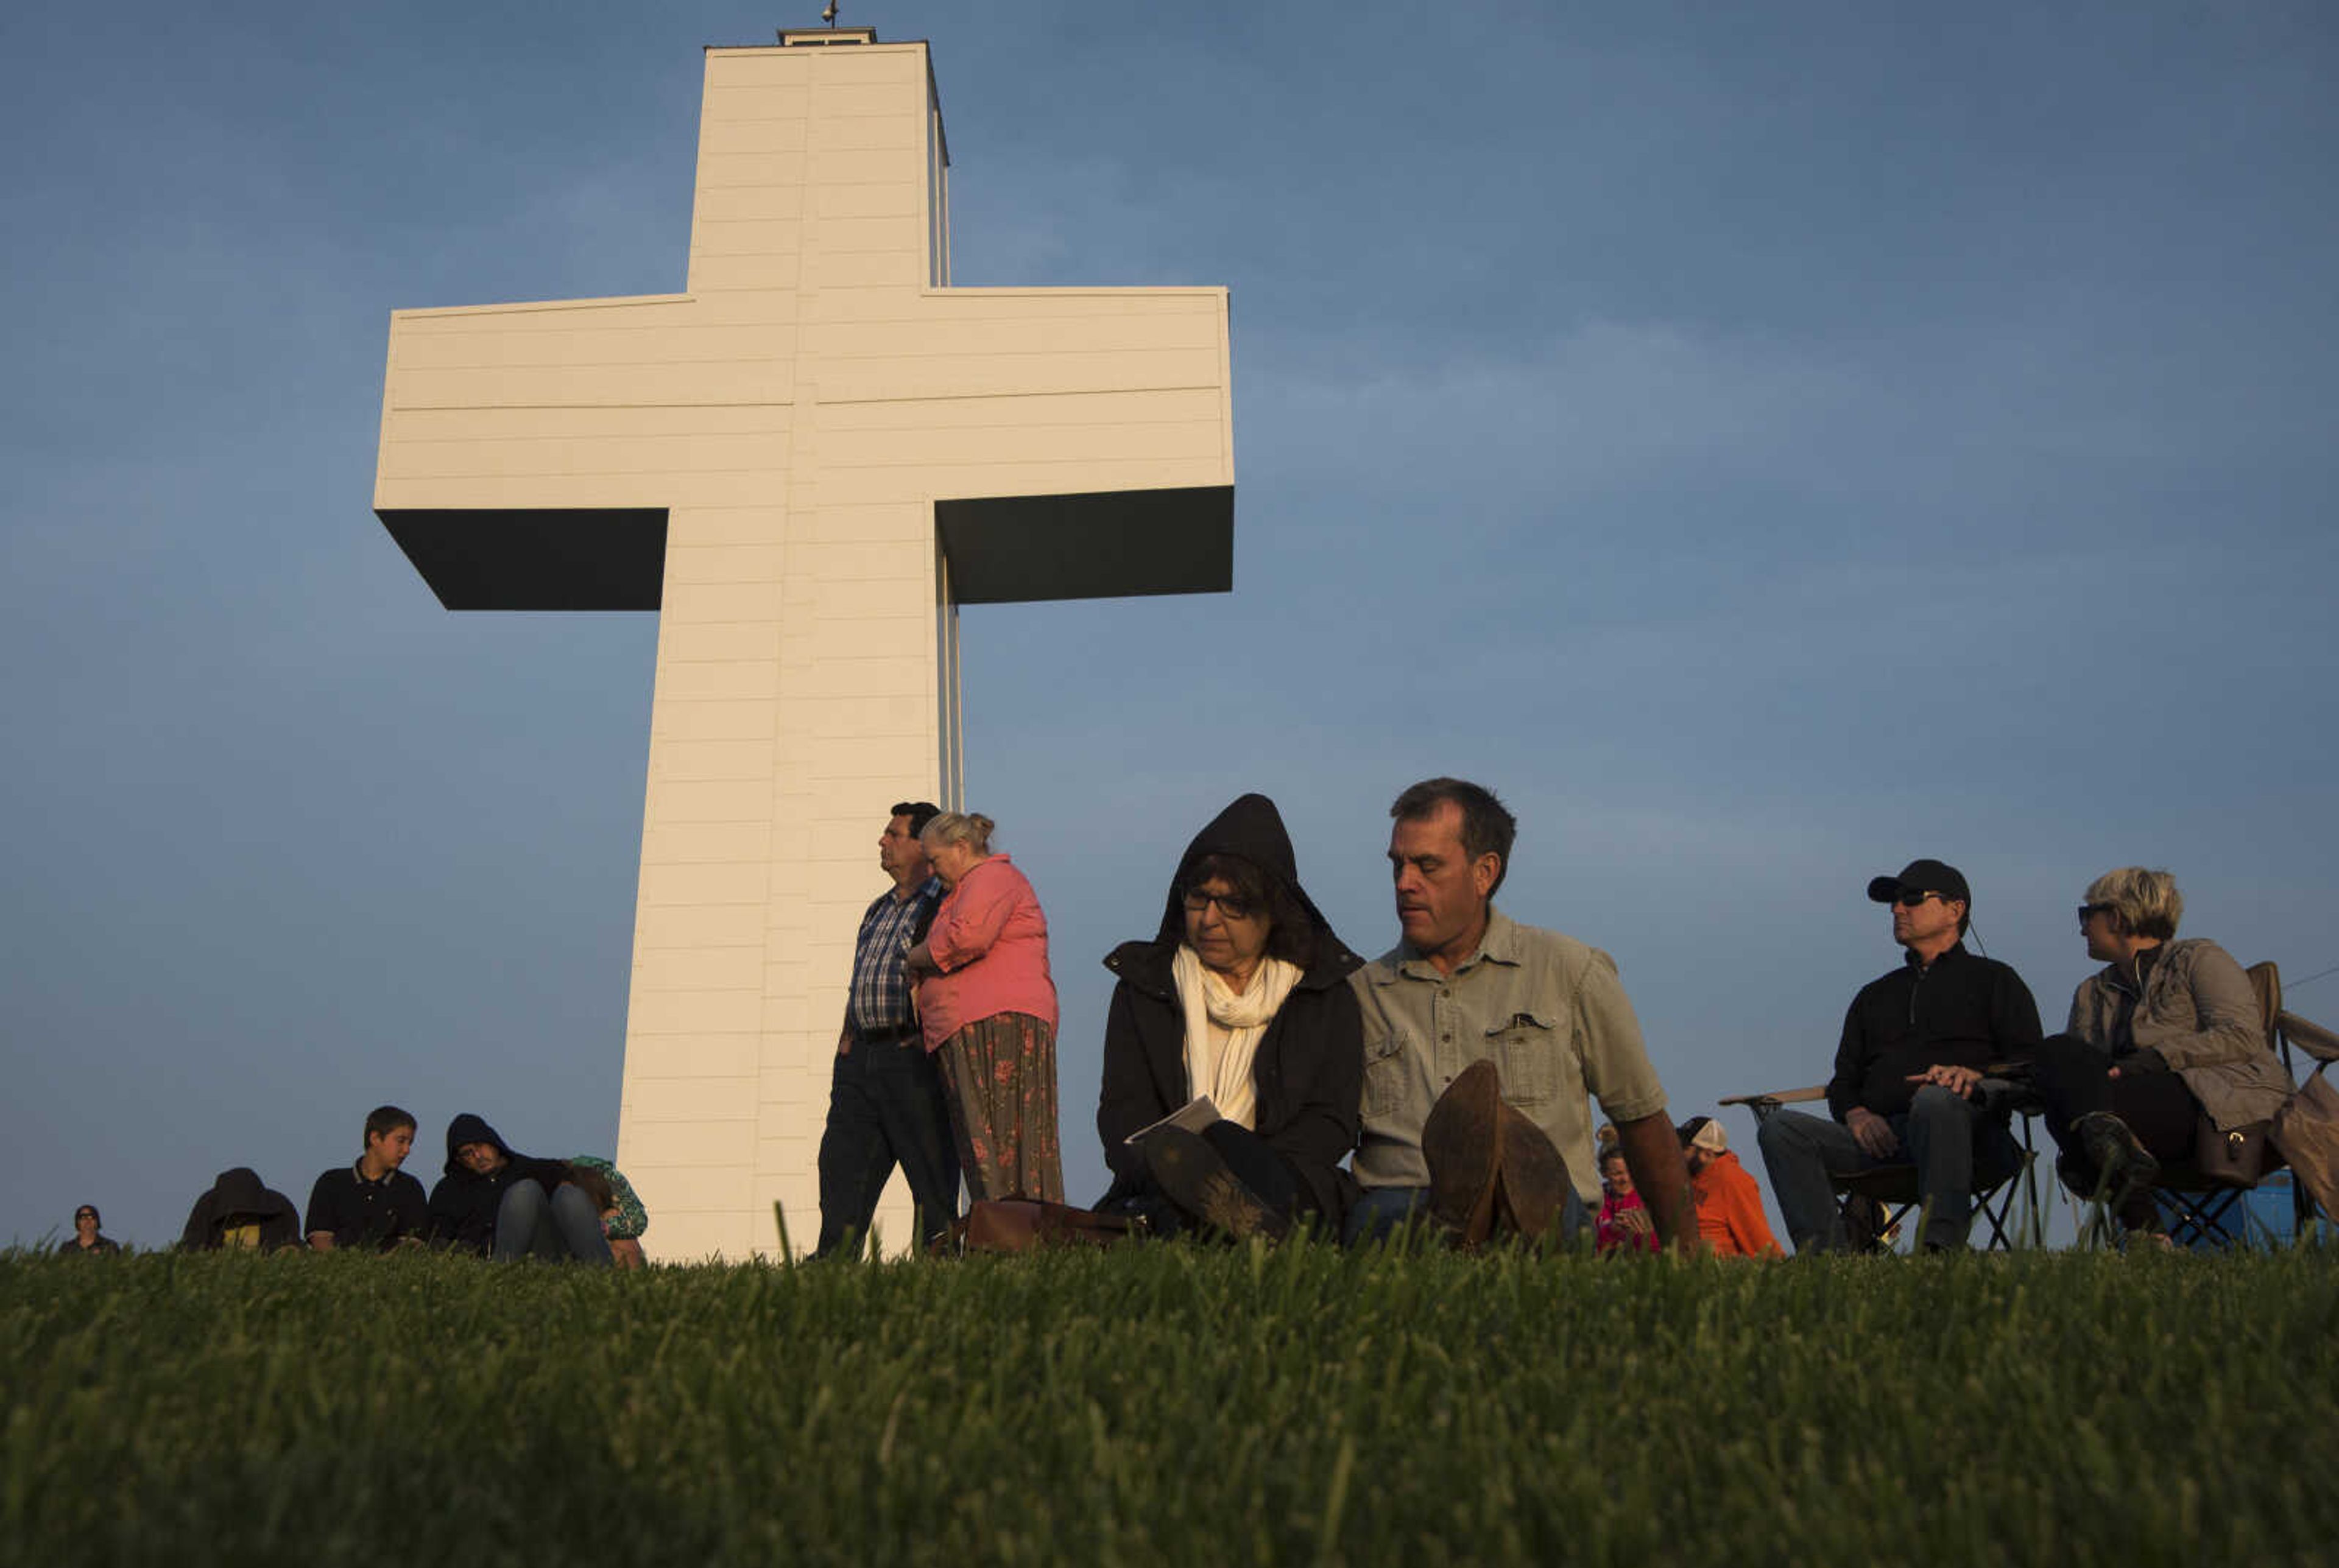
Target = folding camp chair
(2199,1208)
(1877,1203)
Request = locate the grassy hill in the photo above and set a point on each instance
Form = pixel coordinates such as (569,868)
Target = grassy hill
(1172,1405)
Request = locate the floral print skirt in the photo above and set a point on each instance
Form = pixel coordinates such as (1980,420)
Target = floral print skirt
(1000,1073)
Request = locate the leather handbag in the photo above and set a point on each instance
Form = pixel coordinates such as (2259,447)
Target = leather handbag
(1028,1224)
(2233,1156)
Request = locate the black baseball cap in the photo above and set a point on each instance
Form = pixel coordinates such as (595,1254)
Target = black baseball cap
(1921,876)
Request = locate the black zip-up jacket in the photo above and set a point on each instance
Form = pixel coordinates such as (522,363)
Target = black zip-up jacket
(1962,1012)
(1309,1069)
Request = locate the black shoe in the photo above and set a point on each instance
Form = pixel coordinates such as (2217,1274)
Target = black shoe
(2072,1172)
(2125,1169)
(1199,1182)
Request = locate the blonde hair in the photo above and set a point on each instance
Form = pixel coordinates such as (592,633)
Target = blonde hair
(2144,902)
(960,827)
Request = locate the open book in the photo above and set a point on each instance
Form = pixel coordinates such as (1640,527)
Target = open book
(1194,1116)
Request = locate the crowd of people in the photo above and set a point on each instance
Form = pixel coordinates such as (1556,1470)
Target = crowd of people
(1260,1076)
(489,1201)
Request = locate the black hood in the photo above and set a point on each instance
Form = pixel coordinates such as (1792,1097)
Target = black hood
(1252,829)
(469,1128)
(240,1191)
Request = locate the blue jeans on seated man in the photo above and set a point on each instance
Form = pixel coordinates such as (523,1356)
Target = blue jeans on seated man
(1383,1211)
(564,1226)
(1952,1141)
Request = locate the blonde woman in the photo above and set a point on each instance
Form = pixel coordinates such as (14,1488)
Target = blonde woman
(2166,1033)
(987,1009)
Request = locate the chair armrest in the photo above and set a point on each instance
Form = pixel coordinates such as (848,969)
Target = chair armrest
(1764,1104)
(2311,1038)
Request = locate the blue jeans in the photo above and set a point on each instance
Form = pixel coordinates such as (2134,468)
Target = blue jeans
(530,1225)
(1949,1139)
(1383,1209)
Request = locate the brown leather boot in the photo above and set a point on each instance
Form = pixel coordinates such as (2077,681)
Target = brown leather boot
(1462,1143)
(1530,1180)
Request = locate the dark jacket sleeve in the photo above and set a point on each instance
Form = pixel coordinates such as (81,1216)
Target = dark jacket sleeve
(1128,1098)
(315,1218)
(1850,1064)
(413,1213)
(548,1174)
(198,1233)
(1325,1066)
(443,1214)
(2014,1018)
(281,1227)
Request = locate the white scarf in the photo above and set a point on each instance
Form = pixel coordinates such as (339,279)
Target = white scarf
(1223,1027)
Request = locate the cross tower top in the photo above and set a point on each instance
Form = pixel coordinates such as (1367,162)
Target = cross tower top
(805,461)
(532,453)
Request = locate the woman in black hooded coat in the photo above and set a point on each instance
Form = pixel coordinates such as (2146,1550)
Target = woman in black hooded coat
(1307,1070)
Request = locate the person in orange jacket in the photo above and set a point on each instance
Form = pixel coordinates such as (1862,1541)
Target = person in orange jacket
(1729,1205)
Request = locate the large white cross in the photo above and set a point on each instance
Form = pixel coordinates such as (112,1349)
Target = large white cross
(805,463)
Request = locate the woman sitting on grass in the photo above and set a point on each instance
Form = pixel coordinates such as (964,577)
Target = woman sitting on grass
(987,1006)
(2167,1033)
(1242,996)
(623,1218)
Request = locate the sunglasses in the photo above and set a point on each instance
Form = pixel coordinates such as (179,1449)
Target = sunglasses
(2088,909)
(1908,898)
(1231,905)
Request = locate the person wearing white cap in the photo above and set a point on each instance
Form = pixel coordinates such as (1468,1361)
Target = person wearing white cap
(1915,1044)
(1730,1222)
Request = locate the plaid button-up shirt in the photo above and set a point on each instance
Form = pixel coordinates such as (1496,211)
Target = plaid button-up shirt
(881,996)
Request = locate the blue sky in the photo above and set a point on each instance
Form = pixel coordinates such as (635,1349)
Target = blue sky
(1764,447)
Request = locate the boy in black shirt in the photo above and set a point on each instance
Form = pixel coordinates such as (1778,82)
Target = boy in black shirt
(373,1203)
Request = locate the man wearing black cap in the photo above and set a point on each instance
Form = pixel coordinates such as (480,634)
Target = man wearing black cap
(1915,1045)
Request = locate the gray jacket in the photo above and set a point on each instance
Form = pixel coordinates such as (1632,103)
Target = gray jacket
(2198,1011)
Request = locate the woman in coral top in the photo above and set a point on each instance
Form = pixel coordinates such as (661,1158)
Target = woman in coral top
(987,1006)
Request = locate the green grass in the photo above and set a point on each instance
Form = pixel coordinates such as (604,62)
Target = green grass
(1173,1404)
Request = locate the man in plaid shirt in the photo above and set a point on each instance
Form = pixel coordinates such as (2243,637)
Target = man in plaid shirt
(885,1105)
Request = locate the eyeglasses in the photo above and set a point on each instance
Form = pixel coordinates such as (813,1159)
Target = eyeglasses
(2088,909)
(1908,898)
(1231,906)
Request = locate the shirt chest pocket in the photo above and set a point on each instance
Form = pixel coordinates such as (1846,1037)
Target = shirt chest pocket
(1385,1058)
(1525,1049)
